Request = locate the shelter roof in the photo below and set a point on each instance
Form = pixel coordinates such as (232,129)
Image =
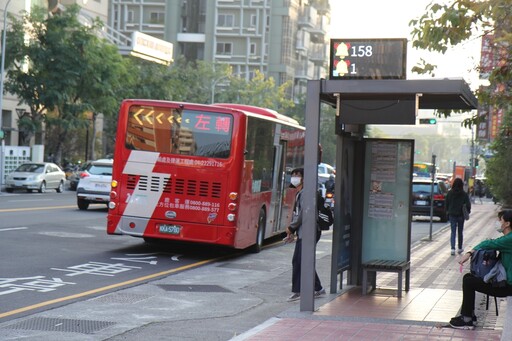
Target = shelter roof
(447,93)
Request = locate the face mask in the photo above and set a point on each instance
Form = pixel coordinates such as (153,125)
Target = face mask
(497,225)
(295,180)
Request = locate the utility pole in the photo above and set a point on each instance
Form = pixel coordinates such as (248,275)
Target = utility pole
(472,163)
(433,173)
(2,67)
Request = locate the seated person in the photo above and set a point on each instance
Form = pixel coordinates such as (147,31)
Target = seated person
(471,284)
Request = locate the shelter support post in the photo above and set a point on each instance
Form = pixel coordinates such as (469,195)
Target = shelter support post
(307,276)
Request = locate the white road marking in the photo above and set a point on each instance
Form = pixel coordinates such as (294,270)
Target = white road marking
(13,228)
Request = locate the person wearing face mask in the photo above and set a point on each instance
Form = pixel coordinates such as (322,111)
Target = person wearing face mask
(296,228)
(471,284)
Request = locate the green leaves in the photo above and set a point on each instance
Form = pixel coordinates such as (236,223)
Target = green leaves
(61,70)
(445,25)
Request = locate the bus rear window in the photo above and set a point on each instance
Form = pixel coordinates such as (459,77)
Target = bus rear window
(179,131)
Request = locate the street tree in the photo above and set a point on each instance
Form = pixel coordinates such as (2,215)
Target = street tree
(454,22)
(140,79)
(148,80)
(258,91)
(196,81)
(61,70)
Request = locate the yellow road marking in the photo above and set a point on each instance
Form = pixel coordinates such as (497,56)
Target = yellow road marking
(35,208)
(108,287)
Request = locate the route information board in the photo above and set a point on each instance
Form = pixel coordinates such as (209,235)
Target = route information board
(368,59)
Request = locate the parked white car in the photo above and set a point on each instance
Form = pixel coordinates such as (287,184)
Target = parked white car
(38,176)
(95,184)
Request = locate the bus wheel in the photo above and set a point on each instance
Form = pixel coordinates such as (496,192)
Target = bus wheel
(260,235)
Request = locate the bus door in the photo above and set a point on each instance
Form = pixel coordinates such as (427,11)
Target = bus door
(278,181)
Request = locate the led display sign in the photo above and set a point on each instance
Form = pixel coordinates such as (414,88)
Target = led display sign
(368,59)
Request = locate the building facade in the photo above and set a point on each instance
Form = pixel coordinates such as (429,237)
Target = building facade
(284,39)
(10,107)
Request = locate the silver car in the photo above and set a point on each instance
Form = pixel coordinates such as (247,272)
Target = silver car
(94,185)
(38,176)
(324,172)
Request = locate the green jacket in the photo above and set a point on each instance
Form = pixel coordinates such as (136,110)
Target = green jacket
(454,201)
(504,246)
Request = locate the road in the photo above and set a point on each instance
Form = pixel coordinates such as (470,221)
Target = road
(52,254)
(420,228)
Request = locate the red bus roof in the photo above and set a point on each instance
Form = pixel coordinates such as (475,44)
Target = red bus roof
(260,111)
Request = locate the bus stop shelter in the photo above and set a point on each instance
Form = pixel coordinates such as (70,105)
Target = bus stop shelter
(357,103)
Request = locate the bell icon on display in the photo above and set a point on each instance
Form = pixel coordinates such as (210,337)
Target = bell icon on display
(342,67)
(342,50)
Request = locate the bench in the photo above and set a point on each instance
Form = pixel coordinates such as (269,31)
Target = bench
(377,265)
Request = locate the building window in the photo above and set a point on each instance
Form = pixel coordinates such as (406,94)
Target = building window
(225,20)
(254,19)
(157,17)
(131,16)
(252,49)
(223,48)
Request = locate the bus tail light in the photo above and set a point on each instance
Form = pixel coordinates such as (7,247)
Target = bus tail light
(112,205)
(114,184)
(233,195)
(231,217)
(232,206)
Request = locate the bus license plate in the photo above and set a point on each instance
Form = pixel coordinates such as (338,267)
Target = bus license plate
(169,229)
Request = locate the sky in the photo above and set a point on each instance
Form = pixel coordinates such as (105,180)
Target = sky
(390,19)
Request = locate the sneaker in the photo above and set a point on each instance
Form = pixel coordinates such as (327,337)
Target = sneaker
(453,252)
(459,251)
(319,293)
(459,323)
(294,297)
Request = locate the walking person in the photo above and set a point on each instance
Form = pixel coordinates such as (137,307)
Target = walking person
(455,199)
(471,284)
(479,190)
(296,227)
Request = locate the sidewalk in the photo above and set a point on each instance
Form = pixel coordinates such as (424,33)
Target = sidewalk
(435,296)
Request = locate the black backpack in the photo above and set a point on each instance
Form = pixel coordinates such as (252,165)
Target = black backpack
(482,261)
(325,217)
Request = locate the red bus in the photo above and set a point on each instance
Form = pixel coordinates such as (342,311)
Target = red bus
(216,174)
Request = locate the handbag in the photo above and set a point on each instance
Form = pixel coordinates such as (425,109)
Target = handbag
(465,212)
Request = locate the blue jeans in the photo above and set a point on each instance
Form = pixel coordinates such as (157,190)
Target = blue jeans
(457,224)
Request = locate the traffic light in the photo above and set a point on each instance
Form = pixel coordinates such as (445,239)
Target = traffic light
(428,121)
